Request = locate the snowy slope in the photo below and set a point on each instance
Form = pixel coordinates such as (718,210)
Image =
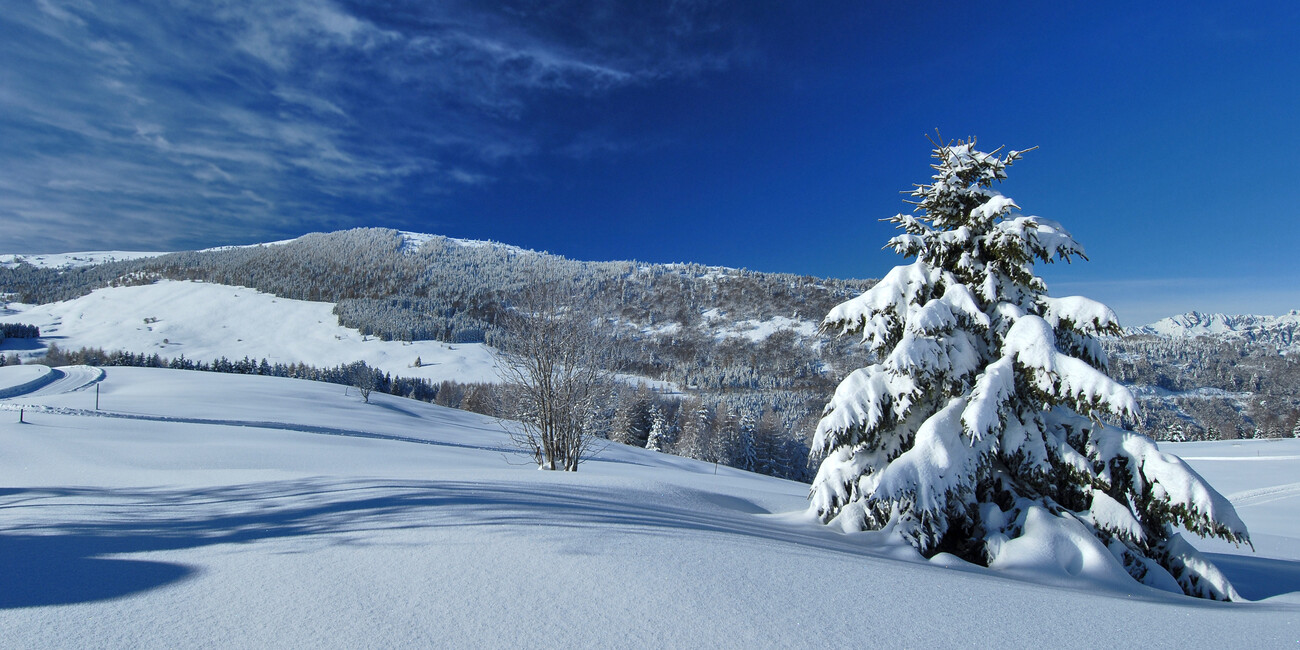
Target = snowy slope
(758,330)
(207,321)
(411,241)
(91,258)
(720,324)
(200,509)
(21,380)
(73,260)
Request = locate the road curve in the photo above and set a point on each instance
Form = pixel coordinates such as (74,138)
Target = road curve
(55,382)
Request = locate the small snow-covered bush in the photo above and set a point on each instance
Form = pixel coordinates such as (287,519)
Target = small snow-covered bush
(980,429)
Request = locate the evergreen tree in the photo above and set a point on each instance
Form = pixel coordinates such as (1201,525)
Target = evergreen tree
(980,424)
(745,454)
(725,439)
(638,431)
(696,429)
(795,457)
(1176,433)
(620,427)
(600,420)
(657,440)
(767,446)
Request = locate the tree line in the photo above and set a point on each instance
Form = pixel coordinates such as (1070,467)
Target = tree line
(747,437)
(673,322)
(1209,387)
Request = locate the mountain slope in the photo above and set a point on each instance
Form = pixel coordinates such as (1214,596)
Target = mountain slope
(739,340)
(204,322)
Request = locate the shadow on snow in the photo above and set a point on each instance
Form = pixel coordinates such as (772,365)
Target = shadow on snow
(57,555)
(56,550)
(1256,577)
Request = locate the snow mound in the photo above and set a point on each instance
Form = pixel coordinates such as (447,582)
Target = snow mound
(1059,550)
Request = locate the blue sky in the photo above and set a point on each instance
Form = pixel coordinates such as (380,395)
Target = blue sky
(755,134)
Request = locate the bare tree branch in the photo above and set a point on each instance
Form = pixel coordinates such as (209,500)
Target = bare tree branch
(557,366)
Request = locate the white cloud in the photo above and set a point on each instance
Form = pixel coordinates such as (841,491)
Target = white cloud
(314,102)
(469,178)
(171,118)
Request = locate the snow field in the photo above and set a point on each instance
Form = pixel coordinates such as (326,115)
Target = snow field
(73,260)
(199,509)
(207,321)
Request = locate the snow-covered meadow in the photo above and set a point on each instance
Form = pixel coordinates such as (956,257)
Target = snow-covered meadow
(204,322)
(200,509)
(72,260)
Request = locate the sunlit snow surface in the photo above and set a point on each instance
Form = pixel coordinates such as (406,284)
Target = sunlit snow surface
(205,321)
(73,260)
(198,509)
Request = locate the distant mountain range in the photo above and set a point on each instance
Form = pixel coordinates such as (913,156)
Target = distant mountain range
(1279,330)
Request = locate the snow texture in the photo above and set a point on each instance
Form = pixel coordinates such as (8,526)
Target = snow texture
(200,509)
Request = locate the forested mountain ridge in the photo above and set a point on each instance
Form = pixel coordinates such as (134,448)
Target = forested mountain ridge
(735,338)
(405,286)
(742,344)
(1210,385)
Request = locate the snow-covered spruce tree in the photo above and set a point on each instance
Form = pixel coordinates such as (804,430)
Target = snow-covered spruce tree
(979,430)
(657,439)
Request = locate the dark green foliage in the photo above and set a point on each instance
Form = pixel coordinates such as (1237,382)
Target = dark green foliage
(19,331)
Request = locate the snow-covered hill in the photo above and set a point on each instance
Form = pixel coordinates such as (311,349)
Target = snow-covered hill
(745,339)
(72,260)
(411,241)
(199,509)
(721,323)
(1282,330)
(206,321)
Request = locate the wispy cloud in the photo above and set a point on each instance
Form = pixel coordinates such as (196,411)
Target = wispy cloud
(171,124)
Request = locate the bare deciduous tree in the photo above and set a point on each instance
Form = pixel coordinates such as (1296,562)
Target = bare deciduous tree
(556,365)
(363,378)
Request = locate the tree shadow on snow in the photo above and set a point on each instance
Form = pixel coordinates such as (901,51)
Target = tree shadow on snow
(1257,578)
(63,569)
(24,345)
(395,408)
(58,556)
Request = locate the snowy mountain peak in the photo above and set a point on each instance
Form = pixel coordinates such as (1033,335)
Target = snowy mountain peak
(1281,330)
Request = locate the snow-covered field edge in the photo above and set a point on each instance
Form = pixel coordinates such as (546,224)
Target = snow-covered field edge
(198,509)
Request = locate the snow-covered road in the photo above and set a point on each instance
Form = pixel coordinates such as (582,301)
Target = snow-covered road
(40,381)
